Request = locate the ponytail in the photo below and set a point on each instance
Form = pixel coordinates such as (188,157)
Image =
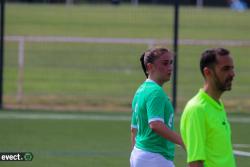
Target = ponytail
(143,64)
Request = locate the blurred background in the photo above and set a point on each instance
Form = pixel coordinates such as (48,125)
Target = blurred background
(71,68)
(84,54)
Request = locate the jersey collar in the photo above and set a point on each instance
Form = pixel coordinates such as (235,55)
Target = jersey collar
(220,105)
(150,80)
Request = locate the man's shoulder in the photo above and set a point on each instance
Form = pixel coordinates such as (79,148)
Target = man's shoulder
(196,101)
(195,105)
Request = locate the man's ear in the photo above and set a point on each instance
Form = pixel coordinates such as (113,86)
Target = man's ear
(207,71)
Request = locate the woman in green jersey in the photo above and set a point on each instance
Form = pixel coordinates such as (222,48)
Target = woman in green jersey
(152,124)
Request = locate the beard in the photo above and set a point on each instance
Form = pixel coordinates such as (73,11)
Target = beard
(223,85)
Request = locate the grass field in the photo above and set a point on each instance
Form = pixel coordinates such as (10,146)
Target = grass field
(83,76)
(103,77)
(87,139)
(125,21)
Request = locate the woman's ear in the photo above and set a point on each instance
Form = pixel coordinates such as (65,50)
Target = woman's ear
(150,67)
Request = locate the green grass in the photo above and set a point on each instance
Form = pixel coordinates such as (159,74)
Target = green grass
(101,75)
(89,143)
(75,76)
(125,21)
(214,23)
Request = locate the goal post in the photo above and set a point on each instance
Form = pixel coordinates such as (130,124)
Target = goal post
(2,6)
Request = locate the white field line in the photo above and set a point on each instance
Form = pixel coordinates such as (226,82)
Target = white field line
(62,116)
(84,116)
(147,41)
(242,153)
(238,119)
(241,145)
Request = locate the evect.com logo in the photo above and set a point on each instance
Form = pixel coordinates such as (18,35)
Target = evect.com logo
(16,156)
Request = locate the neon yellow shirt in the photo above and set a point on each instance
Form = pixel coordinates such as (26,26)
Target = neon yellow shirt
(206,132)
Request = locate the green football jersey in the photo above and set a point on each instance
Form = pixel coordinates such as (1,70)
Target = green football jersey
(151,103)
(206,132)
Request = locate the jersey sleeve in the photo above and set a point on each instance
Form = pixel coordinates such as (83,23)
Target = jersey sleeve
(155,107)
(194,134)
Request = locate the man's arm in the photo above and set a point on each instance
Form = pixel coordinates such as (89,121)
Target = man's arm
(193,130)
(133,134)
(161,129)
(196,164)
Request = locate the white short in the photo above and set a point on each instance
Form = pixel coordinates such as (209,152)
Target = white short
(141,158)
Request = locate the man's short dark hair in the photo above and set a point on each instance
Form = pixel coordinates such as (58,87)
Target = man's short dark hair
(209,57)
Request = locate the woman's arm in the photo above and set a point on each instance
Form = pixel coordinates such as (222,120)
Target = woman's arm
(133,134)
(161,129)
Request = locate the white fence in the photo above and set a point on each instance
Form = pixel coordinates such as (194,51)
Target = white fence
(150,42)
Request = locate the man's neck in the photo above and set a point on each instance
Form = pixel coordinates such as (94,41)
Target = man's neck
(212,92)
